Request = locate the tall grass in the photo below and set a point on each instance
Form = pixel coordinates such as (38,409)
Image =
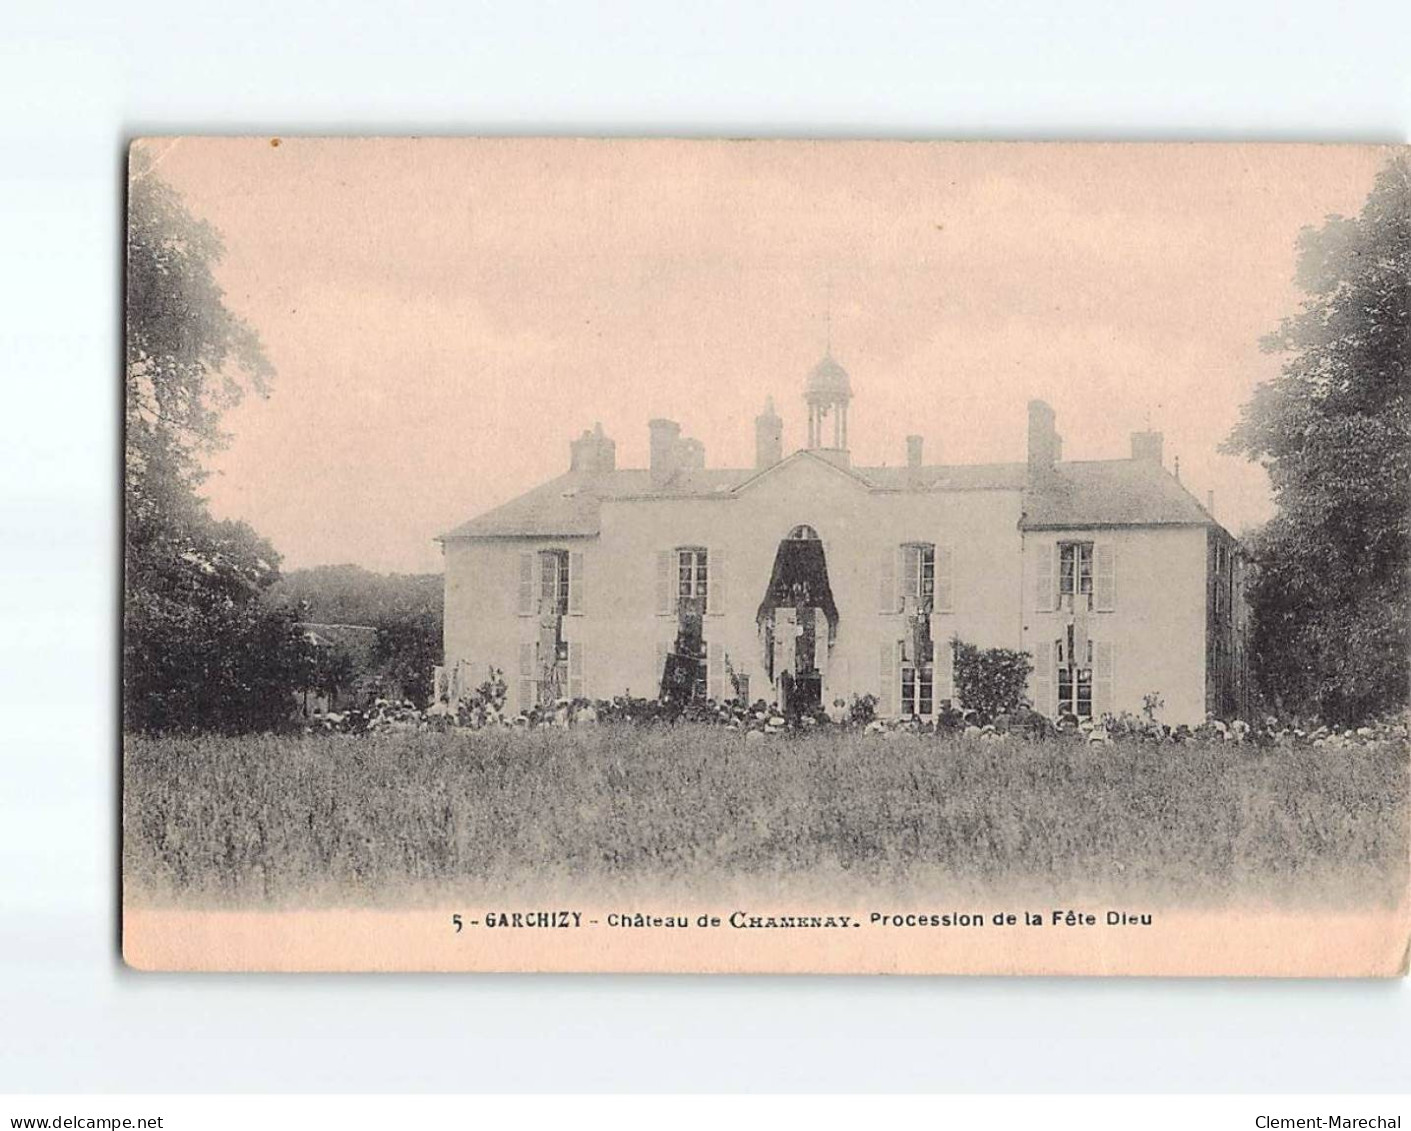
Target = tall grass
(389,818)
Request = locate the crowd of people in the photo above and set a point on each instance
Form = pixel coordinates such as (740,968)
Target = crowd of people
(764,719)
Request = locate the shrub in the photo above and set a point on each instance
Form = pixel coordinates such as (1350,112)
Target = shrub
(990,681)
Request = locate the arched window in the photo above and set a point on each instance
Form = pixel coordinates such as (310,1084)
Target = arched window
(803,533)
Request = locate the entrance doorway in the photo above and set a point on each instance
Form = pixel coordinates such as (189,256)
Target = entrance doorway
(798,623)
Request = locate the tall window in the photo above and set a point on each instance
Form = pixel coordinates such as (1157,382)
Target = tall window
(1075,676)
(918,570)
(1075,568)
(553,581)
(917,689)
(691,572)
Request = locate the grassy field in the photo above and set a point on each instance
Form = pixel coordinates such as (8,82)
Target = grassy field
(397,818)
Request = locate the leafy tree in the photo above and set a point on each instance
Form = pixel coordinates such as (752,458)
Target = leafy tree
(349,594)
(1329,595)
(408,647)
(989,681)
(201,650)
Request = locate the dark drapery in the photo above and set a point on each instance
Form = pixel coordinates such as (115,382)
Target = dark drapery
(800,580)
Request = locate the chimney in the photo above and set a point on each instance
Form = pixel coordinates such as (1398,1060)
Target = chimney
(768,437)
(1148,446)
(593,453)
(1043,439)
(913,451)
(665,444)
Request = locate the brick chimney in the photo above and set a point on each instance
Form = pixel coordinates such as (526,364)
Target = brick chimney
(913,451)
(1149,446)
(593,452)
(1043,439)
(664,445)
(768,437)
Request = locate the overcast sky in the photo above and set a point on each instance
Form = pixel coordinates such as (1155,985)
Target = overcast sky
(444,317)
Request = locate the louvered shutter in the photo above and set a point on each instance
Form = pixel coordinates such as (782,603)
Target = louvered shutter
(1105,576)
(666,579)
(1041,679)
(909,573)
(783,636)
(526,583)
(887,582)
(887,677)
(576,682)
(943,670)
(1104,677)
(945,580)
(1044,580)
(715,582)
(715,670)
(820,649)
(575,581)
(527,651)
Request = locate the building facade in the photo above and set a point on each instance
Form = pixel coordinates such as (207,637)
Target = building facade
(807,580)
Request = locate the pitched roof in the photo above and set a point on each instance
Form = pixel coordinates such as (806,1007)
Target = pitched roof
(1098,493)
(1114,492)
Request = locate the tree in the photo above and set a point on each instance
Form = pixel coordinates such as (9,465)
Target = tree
(1329,596)
(200,648)
(989,681)
(408,647)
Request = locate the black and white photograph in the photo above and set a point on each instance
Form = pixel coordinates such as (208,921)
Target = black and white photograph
(766,556)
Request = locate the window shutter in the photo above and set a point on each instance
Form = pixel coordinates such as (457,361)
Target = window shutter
(782,638)
(666,576)
(526,583)
(1104,677)
(1041,679)
(526,674)
(887,582)
(576,682)
(887,673)
(575,581)
(909,572)
(1044,579)
(1105,576)
(715,670)
(943,668)
(945,580)
(820,649)
(715,582)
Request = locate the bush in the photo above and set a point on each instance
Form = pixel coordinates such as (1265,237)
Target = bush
(990,681)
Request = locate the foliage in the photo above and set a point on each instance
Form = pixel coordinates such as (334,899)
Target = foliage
(200,648)
(394,817)
(349,594)
(408,648)
(1329,596)
(990,681)
(493,692)
(863,709)
(331,671)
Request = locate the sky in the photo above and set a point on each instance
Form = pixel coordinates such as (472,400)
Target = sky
(444,316)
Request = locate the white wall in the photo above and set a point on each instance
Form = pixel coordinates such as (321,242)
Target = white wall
(1157,624)
(621,627)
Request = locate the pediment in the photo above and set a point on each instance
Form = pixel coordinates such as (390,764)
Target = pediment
(802,470)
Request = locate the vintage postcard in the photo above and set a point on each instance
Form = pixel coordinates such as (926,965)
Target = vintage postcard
(766,556)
